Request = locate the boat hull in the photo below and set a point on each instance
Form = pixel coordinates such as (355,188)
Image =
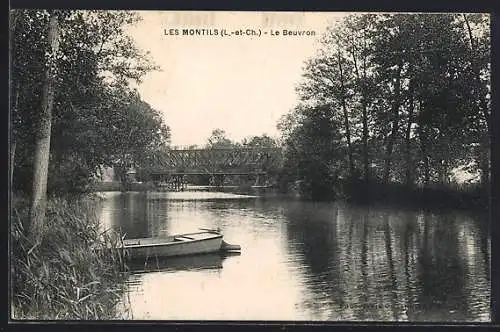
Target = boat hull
(171,249)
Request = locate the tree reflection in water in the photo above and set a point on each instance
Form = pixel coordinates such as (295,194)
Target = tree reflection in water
(319,261)
(368,264)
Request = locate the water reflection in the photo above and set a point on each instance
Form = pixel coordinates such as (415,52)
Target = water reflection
(129,213)
(308,261)
(182,263)
(377,264)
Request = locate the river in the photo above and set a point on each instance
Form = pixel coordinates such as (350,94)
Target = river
(307,260)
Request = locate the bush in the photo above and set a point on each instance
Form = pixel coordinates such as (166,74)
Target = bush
(73,273)
(70,176)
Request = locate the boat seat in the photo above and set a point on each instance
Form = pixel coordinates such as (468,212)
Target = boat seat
(183,238)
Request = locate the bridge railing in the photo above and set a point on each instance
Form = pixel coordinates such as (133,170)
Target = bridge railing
(212,160)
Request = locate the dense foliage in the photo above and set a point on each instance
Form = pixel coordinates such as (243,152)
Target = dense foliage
(97,119)
(73,111)
(219,140)
(401,99)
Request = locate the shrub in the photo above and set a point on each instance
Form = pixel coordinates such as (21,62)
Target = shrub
(74,273)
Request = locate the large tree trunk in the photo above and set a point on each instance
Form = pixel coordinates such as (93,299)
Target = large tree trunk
(423,149)
(12,162)
(12,151)
(346,118)
(42,147)
(395,125)
(409,161)
(364,115)
(483,159)
(425,157)
(12,156)
(366,157)
(366,151)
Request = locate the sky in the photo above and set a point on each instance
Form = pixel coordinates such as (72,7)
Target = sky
(241,84)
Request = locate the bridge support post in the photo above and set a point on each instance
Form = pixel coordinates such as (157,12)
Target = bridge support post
(180,182)
(257,177)
(175,182)
(217,180)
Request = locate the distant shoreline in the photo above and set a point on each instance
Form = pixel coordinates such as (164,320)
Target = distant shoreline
(465,199)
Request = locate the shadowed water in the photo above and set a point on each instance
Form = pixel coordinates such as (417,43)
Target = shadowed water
(306,261)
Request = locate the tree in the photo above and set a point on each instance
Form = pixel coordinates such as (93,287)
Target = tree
(409,94)
(136,131)
(96,63)
(218,140)
(288,122)
(262,141)
(83,95)
(42,148)
(434,76)
(479,56)
(313,154)
(326,83)
(358,45)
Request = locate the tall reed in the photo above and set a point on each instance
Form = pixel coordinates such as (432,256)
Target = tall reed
(74,273)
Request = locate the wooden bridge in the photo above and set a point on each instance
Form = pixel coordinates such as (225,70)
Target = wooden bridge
(175,167)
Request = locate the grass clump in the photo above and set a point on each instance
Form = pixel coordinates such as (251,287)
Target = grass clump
(74,273)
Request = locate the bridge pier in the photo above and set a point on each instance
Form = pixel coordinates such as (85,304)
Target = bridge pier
(179,183)
(217,180)
(171,182)
(257,180)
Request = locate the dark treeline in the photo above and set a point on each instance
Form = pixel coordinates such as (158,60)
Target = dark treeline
(393,104)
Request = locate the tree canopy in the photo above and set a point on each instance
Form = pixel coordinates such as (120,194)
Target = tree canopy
(409,95)
(98,119)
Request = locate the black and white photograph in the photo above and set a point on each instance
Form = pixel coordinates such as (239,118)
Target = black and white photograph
(249,166)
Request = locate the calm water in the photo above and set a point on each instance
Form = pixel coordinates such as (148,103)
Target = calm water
(307,261)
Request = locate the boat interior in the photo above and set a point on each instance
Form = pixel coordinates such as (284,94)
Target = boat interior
(175,238)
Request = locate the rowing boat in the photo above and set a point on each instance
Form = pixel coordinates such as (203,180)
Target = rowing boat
(177,245)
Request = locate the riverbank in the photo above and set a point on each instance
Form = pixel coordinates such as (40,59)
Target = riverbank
(462,197)
(466,197)
(261,191)
(117,186)
(61,278)
(435,196)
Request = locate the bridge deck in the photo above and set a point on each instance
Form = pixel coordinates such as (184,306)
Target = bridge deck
(247,159)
